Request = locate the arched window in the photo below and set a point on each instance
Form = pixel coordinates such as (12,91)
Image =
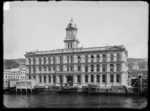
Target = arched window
(112,57)
(111,67)
(79,59)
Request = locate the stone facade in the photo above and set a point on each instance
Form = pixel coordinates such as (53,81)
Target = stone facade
(104,66)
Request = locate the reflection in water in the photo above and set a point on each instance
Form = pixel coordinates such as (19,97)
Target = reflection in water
(50,100)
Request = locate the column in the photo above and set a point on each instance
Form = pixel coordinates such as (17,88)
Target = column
(100,67)
(37,79)
(42,79)
(100,79)
(89,78)
(95,68)
(121,79)
(95,78)
(74,79)
(108,79)
(57,79)
(47,78)
(114,67)
(114,79)
(108,67)
(52,79)
(89,68)
(100,57)
(64,79)
(82,79)
(95,58)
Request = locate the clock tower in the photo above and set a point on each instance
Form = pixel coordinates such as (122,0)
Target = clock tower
(71,41)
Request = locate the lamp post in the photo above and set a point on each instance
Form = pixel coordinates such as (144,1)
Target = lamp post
(140,81)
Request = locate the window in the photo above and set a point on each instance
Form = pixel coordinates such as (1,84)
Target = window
(92,68)
(118,57)
(111,67)
(61,79)
(44,78)
(79,78)
(97,78)
(97,68)
(79,68)
(104,58)
(118,78)
(61,69)
(54,79)
(98,58)
(39,78)
(86,68)
(92,78)
(118,67)
(86,58)
(92,58)
(71,68)
(104,78)
(49,78)
(34,77)
(79,59)
(111,78)
(86,78)
(71,59)
(29,77)
(103,67)
(112,57)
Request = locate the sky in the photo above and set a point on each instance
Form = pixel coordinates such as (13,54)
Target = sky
(29,26)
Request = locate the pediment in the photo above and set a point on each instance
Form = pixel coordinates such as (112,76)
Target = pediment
(30,53)
(116,48)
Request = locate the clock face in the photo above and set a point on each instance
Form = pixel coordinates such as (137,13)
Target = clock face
(70,33)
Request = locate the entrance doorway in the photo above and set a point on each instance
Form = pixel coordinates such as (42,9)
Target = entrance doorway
(70,80)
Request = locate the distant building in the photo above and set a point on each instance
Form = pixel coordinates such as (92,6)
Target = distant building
(105,66)
(14,74)
(135,66)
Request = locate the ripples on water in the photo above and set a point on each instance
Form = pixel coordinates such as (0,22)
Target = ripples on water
(50,100)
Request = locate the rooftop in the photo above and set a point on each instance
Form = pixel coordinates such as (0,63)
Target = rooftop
(80,49)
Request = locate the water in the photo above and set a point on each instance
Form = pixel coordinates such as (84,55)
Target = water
(49,100)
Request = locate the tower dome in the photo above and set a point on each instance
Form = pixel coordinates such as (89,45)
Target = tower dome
(71,24)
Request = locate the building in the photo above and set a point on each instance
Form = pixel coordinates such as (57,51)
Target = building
(14,74)
(104,66)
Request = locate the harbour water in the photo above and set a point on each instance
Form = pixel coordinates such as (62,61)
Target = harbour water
(52,100)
